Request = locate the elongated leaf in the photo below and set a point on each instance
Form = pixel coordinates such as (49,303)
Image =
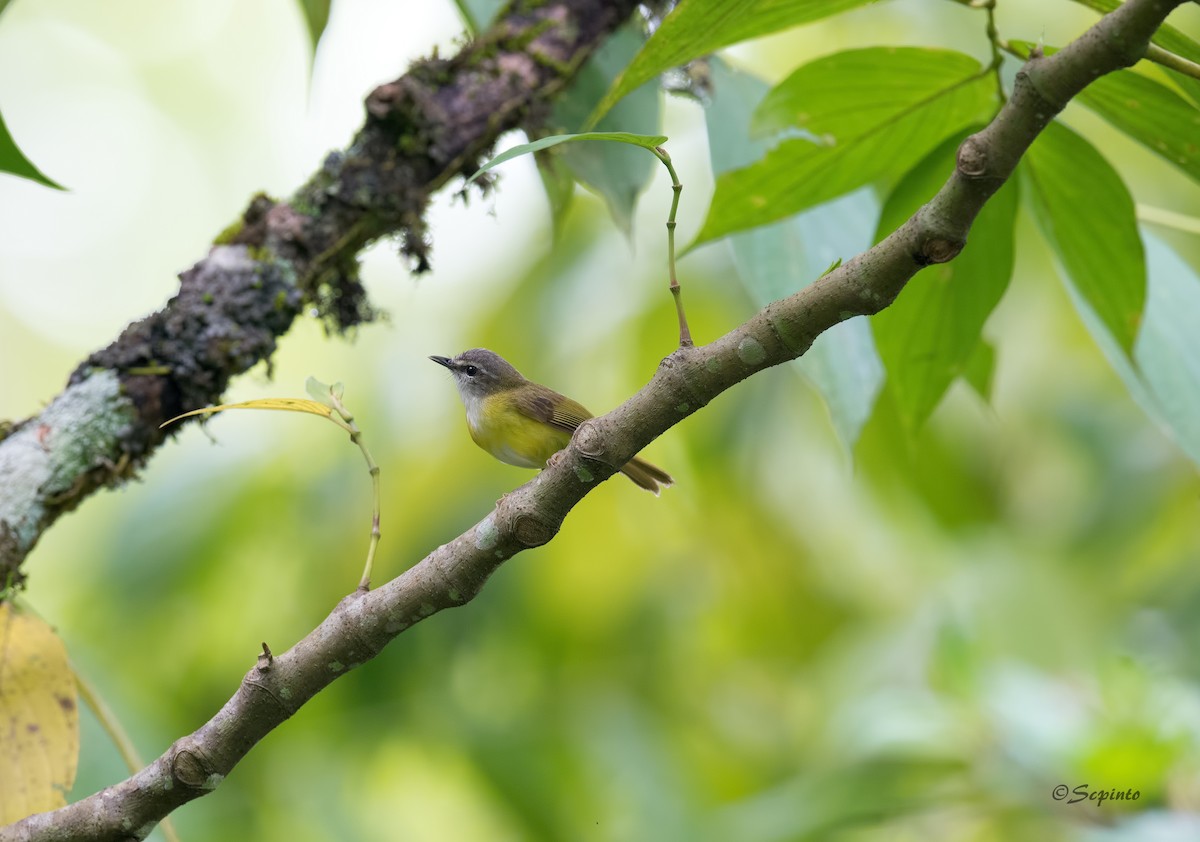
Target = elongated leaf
(1152,114)
(615,171)
(776,260)
(799,174)
(980,368)
(929,335)
(559,183)
(1168,346)
(1164,376)
(39,717)
(847,94)
(478,14)
(697,27)
(1086,214)
(13,160)
(1167,37)
(284,404)
(316,17)
(645,141)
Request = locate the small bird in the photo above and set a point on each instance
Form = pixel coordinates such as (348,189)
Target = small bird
(521,422)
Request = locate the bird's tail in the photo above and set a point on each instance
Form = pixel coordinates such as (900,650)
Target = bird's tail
(647,476)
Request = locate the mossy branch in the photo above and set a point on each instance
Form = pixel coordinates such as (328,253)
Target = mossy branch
(286,257)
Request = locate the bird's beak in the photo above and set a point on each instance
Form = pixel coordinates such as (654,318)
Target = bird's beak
(444,361)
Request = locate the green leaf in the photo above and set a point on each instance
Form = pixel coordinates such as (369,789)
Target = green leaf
(1168,348)
(650,142)
(478,14)
(697,27)
(13,160)
(317,390)
(559,184)
(615,171)
(1086,214)
(981,365)
(1151,113)
(927,336)
(316,17)
(1167,37)
(799,174)
(834,265)
(777,260)
(848,94)
(1164,375)
(321,392)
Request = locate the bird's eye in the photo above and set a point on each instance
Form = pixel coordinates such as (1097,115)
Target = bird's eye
(470,371)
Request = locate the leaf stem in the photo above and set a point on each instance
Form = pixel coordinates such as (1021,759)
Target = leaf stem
(997,43)
(685,333)
(1168,219)
(364,584)
(993,35)
(1170,60)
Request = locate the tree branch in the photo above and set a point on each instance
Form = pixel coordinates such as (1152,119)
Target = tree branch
(364,622)
(284,257)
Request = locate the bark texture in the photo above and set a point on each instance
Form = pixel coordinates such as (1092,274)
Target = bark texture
(364,622)
(286,256)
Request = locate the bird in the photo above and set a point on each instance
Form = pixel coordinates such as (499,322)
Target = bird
(524,423)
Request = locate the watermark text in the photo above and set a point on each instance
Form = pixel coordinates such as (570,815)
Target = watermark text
(1084,792)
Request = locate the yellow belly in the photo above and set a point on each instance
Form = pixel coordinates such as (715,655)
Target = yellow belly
(511,437)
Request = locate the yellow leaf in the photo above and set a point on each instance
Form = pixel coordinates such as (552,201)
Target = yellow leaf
(286,404)
(39,717)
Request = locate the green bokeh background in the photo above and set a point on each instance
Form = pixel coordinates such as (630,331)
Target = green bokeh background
(918,640)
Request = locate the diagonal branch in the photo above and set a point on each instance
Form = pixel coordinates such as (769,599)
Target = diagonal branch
(363,623)
(284,257)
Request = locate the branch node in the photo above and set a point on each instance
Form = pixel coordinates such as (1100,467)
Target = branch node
(589,441)
(938,250)
(972,159)
(531,531)
(191,768)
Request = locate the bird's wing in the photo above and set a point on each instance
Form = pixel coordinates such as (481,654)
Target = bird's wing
(551,408)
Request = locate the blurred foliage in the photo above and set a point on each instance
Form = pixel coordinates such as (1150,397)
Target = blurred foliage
(13,160)
(316,18)
(916,640)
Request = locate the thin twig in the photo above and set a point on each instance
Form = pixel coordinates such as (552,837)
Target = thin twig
(994,40)
(357,437)
(685,334)
(993,36)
